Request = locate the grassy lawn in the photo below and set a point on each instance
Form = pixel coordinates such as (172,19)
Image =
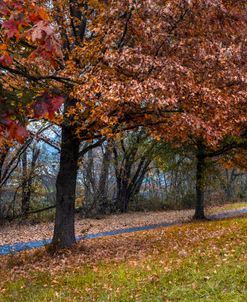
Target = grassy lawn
(194,262)
(227,207)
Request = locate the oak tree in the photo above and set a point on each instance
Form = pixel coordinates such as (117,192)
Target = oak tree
(122,64)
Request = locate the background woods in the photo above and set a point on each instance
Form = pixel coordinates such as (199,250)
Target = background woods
(147,175)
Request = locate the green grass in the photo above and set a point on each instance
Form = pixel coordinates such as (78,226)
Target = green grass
(210,268)
(227,207)
(236,205)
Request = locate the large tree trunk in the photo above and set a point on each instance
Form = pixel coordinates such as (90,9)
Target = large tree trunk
(200,170)
(64,231)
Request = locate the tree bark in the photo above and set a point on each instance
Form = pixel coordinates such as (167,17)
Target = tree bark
(130,171)
(2,159)
(3,155)
(26,190)
(64,230)
(101,193)
(89,178)
(229,186)
(200,170)
(129,187)
(123,197)
(28,177)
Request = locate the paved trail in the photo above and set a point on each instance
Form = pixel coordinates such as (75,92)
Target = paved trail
(22,246)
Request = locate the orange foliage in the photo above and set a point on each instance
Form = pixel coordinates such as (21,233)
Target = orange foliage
(26,37)
(123,64)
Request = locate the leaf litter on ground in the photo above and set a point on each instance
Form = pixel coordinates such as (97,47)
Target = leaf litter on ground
(21,232)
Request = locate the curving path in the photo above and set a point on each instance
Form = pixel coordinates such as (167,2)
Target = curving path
(22,246)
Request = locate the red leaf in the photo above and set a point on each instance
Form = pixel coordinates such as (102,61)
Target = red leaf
(41,30)
(21,134)
(40,109)
(11,29)
(6,59)
(16,131)
(57,102)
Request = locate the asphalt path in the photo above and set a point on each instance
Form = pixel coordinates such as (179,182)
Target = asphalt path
(22,246)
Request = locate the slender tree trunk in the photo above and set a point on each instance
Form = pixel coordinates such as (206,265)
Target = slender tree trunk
(129,186)
(89,178)
(2,159)
(3,155)
(200,170)
(64,230)
(28,177)
(101,194)
(128,190)
(26,193)
(229,187)
(123,198)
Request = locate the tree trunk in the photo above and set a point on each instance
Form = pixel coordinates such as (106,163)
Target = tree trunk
(28,177)
(3,155)
(26,190)
(229,186)
(89,179)
(64,231)
(2,159)
(123,197)
(200,170)
(129,175)
(127,190)
(101,194)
